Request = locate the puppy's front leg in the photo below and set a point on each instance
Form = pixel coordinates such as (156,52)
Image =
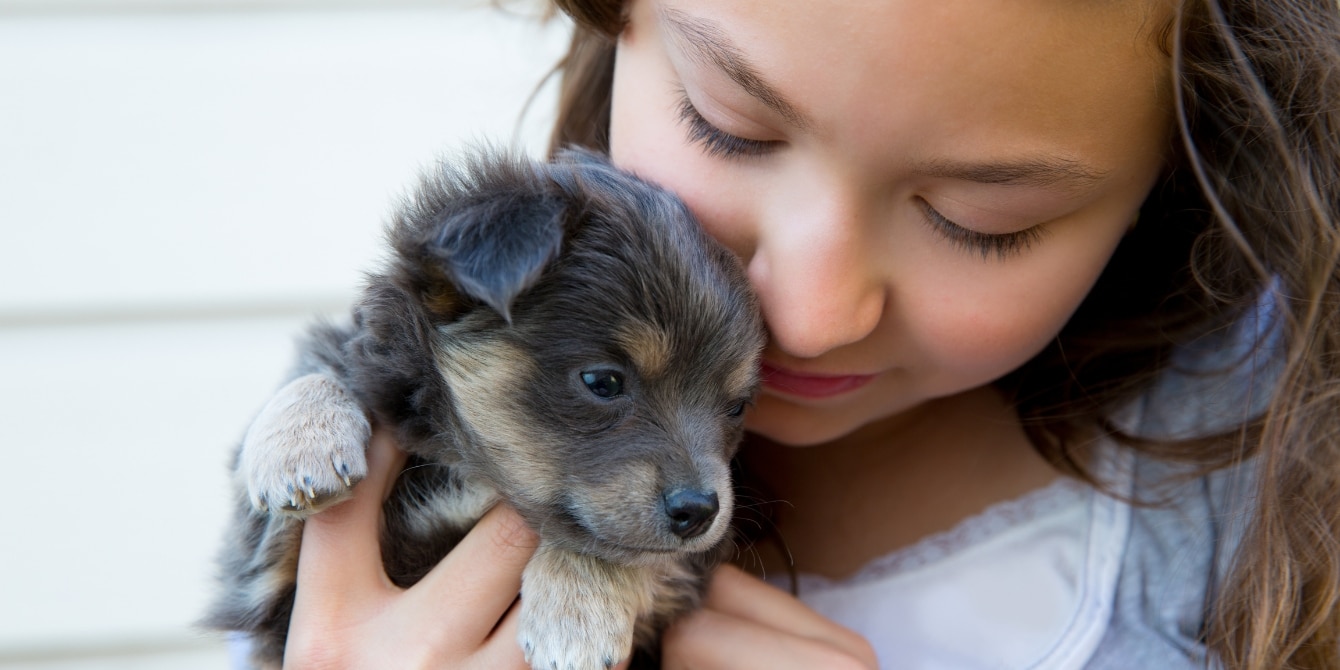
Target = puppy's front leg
(305,449)
(577,612)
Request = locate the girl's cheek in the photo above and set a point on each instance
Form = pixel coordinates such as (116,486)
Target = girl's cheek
(990,322)
(973,348)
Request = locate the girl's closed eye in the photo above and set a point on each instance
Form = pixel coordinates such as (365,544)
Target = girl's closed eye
(715,141)
(1003,245)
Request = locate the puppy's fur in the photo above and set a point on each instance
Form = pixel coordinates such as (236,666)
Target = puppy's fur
(560,336)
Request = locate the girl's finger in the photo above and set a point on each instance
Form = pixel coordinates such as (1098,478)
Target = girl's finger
(740,595)
(712,640)
(479,580)
(340,560)
(501,650)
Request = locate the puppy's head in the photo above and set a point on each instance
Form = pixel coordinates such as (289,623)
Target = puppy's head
(598,349)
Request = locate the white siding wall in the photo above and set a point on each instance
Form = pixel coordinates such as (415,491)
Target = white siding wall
(179,192)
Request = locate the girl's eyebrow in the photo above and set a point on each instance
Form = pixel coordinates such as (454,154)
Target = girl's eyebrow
(706,42)
(1043,171)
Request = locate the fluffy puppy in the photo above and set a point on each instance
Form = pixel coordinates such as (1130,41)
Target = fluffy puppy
(560,336)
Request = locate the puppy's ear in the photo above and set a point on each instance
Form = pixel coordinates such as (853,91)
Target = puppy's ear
(494,249)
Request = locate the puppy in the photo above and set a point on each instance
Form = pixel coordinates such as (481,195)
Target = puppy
(559,336)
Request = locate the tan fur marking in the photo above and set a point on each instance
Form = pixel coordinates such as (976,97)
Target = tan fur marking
(286,540)
(441,302)
(745,377)
(482,375)
(648,346)
(441,297)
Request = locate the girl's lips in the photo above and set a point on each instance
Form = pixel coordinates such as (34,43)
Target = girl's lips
(810,386)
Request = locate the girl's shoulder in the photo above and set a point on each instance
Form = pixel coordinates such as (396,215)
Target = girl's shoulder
(1182,535)
(1215,383)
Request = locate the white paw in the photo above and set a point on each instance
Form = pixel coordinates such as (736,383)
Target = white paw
(564,637)
(571,624)
(304,451)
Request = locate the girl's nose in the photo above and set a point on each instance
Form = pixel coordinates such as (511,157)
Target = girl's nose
(817,276)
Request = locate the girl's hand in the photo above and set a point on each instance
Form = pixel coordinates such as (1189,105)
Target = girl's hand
(747,623)
(348,614)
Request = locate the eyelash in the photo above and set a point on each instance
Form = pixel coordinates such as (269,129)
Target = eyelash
(715,141)
(1003,246)
(721,144)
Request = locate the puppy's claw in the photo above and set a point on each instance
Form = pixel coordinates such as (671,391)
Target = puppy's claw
(609,662)
(342,469)
(309,488)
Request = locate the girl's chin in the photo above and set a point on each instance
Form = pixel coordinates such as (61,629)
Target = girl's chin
(796,425)
(799,422)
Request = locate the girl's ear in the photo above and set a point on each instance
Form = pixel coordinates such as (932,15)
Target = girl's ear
(495,248)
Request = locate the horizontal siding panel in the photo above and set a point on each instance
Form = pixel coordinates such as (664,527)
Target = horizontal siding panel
(117,443)
(122,6)
(188,161)
(212,655)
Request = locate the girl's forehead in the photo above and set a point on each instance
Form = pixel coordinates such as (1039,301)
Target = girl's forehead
(1082,75)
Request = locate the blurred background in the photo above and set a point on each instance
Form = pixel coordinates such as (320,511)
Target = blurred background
(183,185)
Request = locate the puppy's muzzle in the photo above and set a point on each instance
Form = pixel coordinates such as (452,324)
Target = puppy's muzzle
(690,512)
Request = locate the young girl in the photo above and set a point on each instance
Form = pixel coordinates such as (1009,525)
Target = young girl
(1054,361)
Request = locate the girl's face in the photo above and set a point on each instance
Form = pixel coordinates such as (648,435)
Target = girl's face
(922,192)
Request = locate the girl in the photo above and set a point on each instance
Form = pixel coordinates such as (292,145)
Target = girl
(1051,288)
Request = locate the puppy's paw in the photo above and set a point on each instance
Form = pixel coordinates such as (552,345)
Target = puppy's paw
(560,634)
(304,452)
(568,623)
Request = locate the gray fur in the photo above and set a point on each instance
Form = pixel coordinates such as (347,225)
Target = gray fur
(508,281)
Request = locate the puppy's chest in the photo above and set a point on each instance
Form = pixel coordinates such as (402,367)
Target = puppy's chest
(431,507)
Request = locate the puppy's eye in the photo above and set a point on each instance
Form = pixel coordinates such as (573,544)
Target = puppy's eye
(737,410)
(604,383)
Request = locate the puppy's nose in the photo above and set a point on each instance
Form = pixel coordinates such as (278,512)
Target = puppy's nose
(690,511)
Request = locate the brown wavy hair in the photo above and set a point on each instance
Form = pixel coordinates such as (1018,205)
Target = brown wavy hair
(1247,207)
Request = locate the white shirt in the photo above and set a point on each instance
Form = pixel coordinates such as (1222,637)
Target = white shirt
(1028,583)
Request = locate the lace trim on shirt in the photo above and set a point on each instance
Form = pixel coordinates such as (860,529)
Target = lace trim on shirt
(969,532)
